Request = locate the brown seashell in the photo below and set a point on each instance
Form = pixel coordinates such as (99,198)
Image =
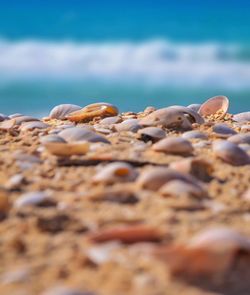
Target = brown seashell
(151,134)
(4,203)
(242,117)
(200,168)
(223,130)
(91,111)
(7,124)
(174,145)
(62,110)
(229,152)
(216,104)
(155,178)
(127,234)
(115,172)
(240,139)
(131,125)
(81,134)
(195,134)
(34,125)
(67,149)
(182,188)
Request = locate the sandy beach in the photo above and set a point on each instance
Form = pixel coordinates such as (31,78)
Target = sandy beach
(98,202)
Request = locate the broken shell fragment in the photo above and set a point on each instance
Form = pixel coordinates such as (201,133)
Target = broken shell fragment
(127,234)
(91,111)
(151,134)
(229,152)
(62,110)
(75,134)
(174,145)
(242,117)
(67,149)
(181,188)
(215,105)
(115,172)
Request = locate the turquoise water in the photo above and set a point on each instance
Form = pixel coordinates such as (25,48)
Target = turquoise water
(133,54)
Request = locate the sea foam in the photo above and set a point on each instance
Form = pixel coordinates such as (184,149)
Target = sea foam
(155,61)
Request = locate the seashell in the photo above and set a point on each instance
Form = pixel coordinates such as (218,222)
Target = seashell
(182,188)
(240,139)
(245,128)
(62,110)
(4,204)
(81,134)
(220,239)
(242,117)
(192,116)
(67,149)
(195,134)
(174,145)
(151,134)
(115,172)
(110,120)
(127,234)
(149,109)
(215,105)
(66,290)
(13,116)
(194,107)
(20,275)
(7,124)
(91,111)
(34,125)
(200,168)
(245,147)
(229,152)
(154,178)
(166,117)
(3,117)
(15,181)
(34,199)
(102,253)
(131,125)
(21,119)
(223,130)
(51,138)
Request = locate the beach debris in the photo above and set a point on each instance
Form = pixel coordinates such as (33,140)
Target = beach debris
(62,110)
(34,125)
(154,178)
(132,125)
(217,105)
(182,188)
(34,199)
(199,167)
(231,153)
(127,234)
(242,117)
(195,134)
(174,145)
(115,172)
(223,130)
(91,111)
(67,149)
(153,134)
(75,134)
(207,254)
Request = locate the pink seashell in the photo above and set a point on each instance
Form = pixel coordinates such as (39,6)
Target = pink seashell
(214,105)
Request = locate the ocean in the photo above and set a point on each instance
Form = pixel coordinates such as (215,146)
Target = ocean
(130,53)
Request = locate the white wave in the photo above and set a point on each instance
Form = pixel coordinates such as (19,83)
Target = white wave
(156,62)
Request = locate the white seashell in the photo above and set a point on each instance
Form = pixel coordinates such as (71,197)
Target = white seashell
(23,119)
(62,110)
(195,134)
(128,125)
(33,125)
(223,130)
(110,120)
(242,117)
(194,107)
(151,133)
(51,138)
(31,199)
(240,138)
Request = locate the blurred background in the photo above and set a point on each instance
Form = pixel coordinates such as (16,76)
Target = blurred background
(130,53)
